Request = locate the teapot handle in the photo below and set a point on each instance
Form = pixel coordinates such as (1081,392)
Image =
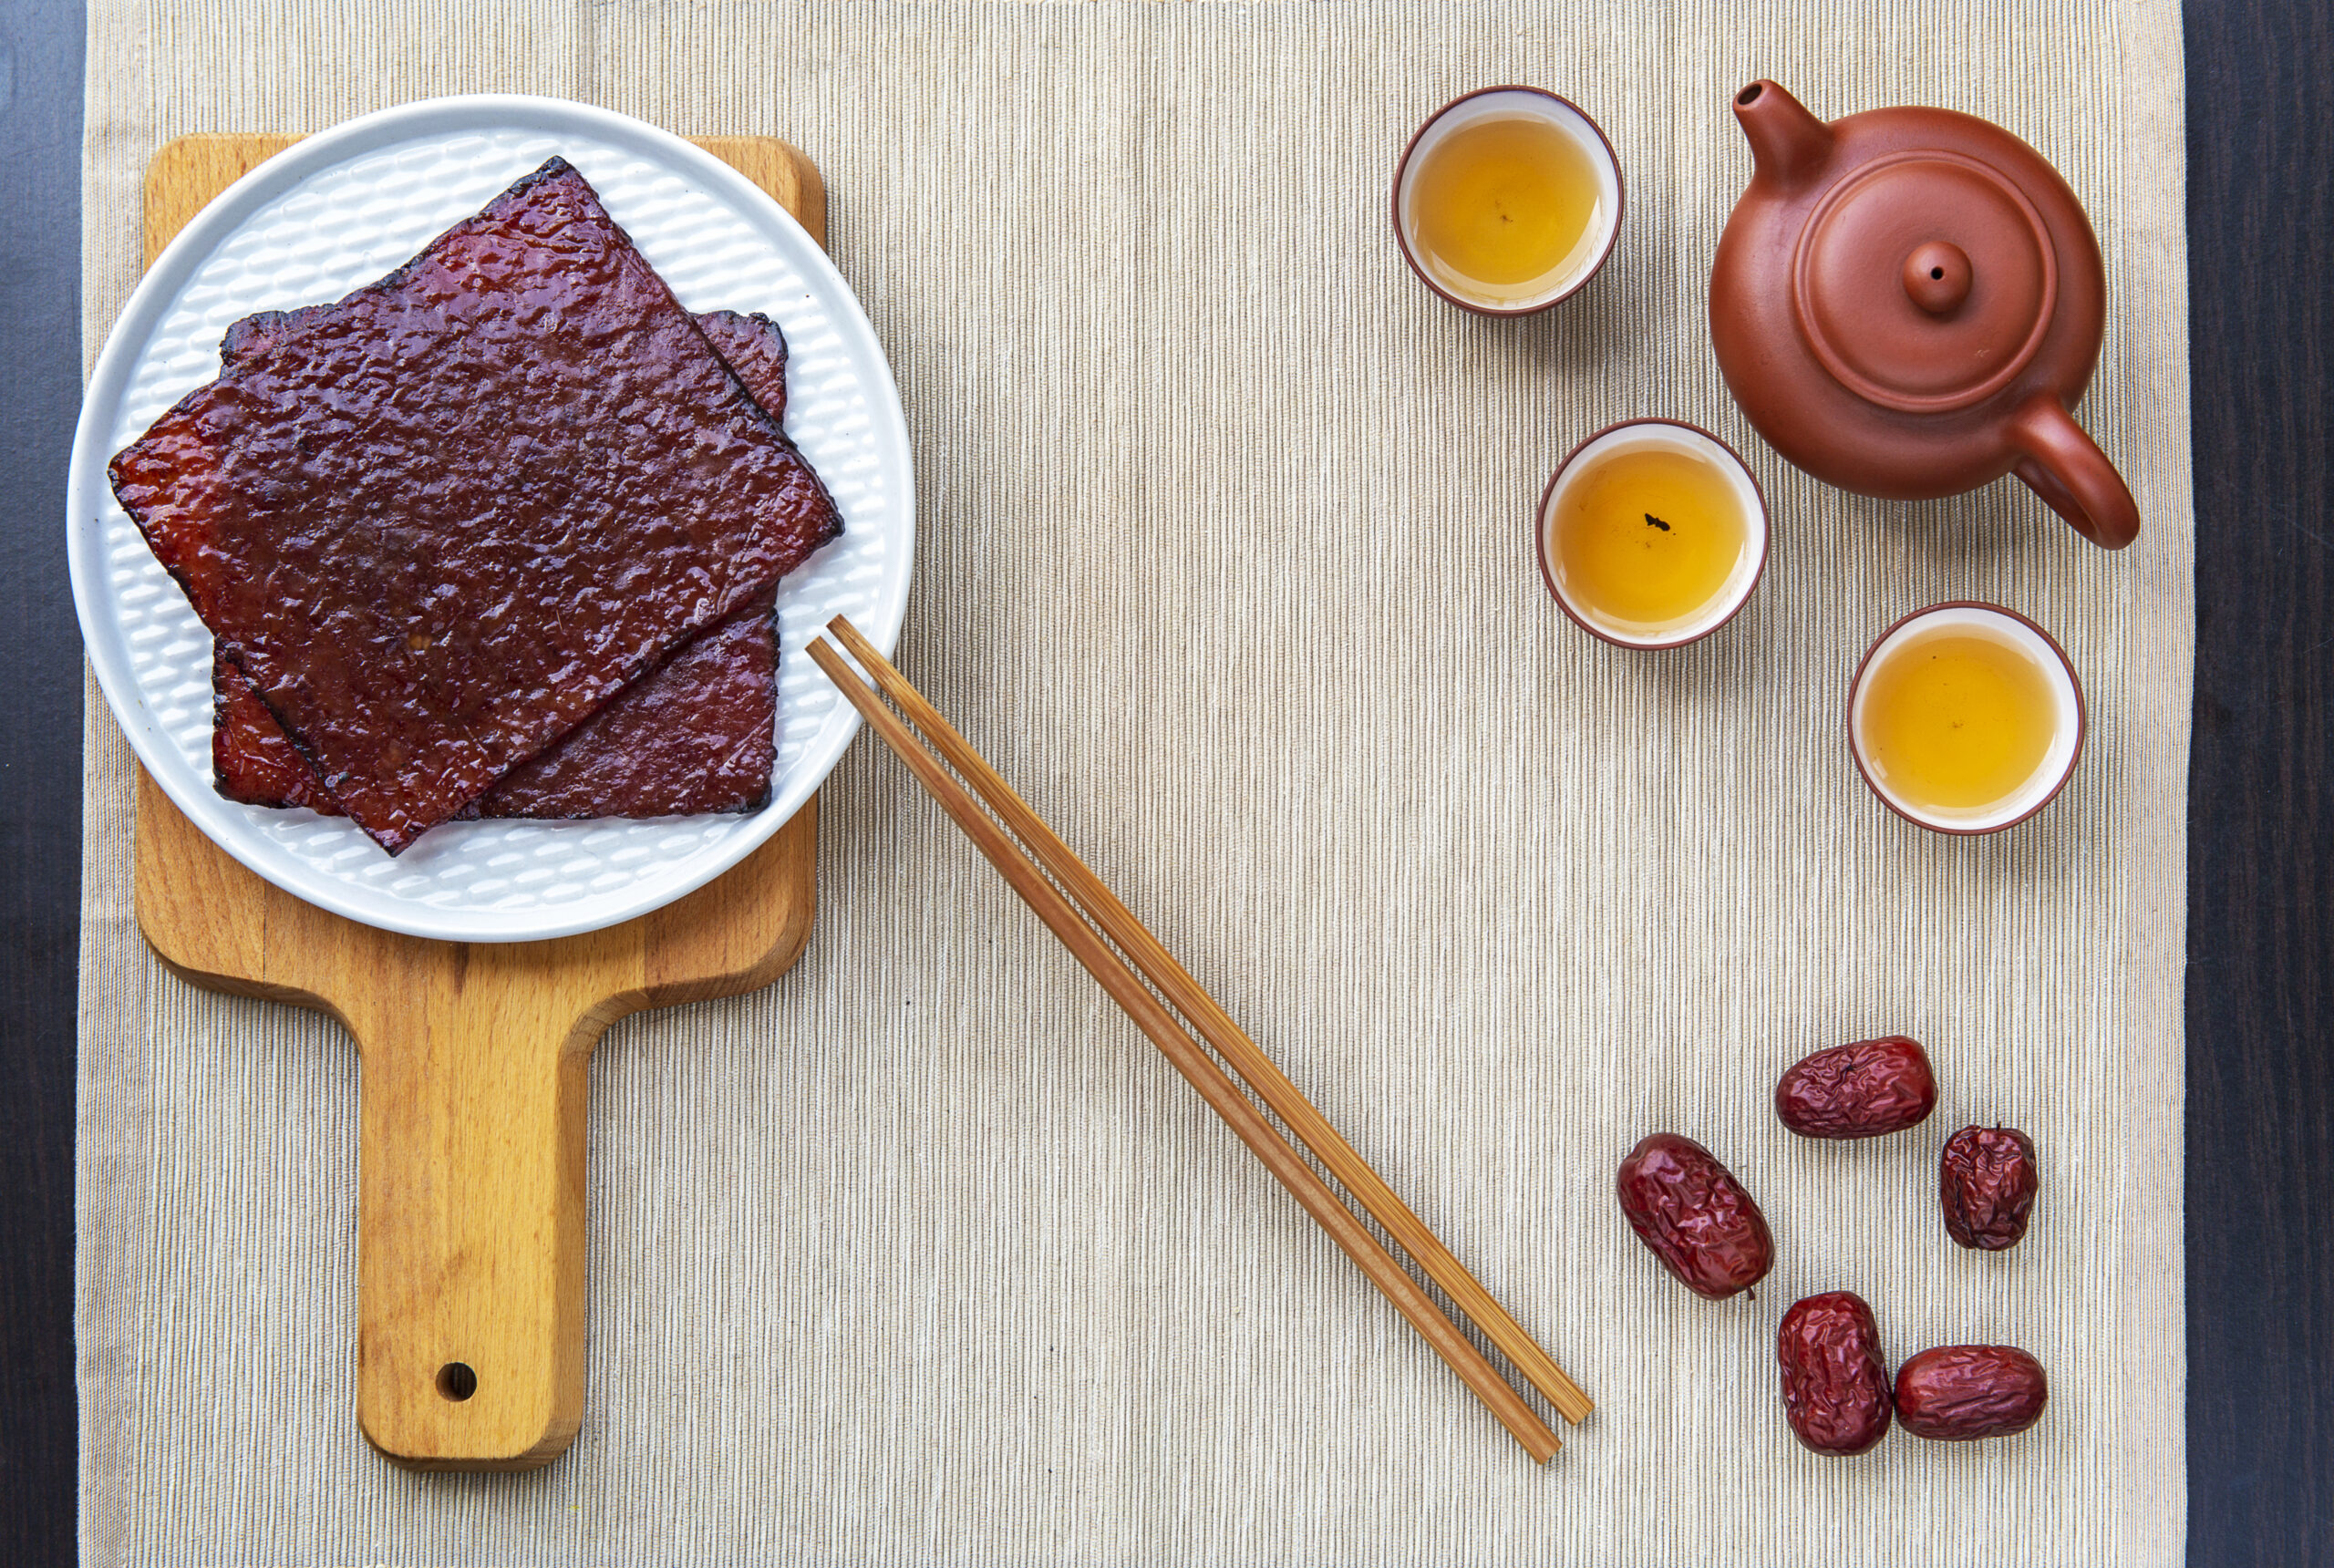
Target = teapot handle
(2065,467)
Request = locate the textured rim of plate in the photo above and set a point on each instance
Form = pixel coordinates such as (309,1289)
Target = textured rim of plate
(142,317)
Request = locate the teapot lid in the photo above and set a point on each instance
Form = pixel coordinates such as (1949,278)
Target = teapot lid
(1924,281)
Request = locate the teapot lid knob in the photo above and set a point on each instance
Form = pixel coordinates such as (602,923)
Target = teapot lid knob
(1937,276)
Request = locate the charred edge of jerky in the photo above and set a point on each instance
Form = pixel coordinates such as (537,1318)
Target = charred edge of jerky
(553,169)
(715,324)
(237,340)
(832,528)
(747,808)
(556,167)
(768,331)
(232,653)
(255,773)
(753,609)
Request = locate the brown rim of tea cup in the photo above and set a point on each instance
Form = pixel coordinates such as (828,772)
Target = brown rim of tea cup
(1548,574)
(1612,238)
(2082,716)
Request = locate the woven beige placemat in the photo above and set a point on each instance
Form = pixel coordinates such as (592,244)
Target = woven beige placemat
(923,1255)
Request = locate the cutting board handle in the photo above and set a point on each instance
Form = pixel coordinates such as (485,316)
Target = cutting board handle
(470,1302)
(470,1217)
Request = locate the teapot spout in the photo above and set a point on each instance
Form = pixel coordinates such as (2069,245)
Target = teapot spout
(1787,143)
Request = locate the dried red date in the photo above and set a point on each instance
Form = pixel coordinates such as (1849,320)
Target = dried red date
(1859,1091)
(1695,1216)
(1957,1392)
(1987,1183)
(1835,1387)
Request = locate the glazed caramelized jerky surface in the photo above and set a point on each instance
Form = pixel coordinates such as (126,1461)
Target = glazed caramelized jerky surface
(439,523)
(755,349)
(697,735)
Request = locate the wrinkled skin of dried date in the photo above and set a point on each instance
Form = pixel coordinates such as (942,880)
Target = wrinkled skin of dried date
(1835,1387)
(1986,1182)
(1695,1216)
(1958,1392)
(1859,1091)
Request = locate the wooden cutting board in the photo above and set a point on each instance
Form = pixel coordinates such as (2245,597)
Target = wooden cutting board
(471,1333)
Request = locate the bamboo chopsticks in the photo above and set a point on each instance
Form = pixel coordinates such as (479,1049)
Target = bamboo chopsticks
(1080,899)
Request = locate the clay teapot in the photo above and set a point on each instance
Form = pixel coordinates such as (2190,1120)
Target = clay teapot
(1907,302)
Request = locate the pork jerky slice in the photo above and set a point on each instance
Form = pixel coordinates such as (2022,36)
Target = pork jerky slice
(696,735)
(439,523)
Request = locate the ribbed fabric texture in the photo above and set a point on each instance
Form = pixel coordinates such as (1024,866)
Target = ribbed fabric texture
(923,1255)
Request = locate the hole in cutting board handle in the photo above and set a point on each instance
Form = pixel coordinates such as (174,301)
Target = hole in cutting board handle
(456,1381)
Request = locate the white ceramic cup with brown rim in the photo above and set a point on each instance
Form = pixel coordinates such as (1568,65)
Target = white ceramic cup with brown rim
(1511,103)
(1658,435)
(2069,721)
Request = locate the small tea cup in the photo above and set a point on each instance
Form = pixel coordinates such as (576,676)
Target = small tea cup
(1511,103)
(2067,719)
(1656,435)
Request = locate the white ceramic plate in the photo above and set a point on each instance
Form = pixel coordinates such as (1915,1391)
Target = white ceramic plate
(340,210)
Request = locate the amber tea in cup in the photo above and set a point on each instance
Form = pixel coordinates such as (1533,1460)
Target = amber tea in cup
(1507,200)
(1965,717)
(1652,534)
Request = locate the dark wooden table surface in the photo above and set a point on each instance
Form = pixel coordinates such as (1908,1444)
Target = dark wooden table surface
(2260,1216)
(2260,1202)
